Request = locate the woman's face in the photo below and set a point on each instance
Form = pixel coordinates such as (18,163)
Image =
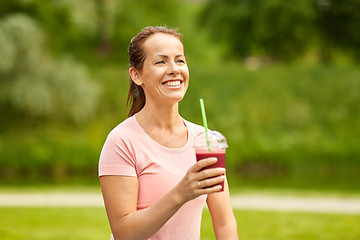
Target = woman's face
(165,75)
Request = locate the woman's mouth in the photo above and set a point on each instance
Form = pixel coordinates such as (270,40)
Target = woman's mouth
(172,83)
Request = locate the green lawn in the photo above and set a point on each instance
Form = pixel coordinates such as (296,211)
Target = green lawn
(266,225)
(91,223)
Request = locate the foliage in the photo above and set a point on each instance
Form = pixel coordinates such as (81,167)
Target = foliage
(283,30)
(103,26)
(277,28)
(76,21)
(34,83)
(339,21)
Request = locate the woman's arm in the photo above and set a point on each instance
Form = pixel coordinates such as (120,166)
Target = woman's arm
(224,222)
(120,196)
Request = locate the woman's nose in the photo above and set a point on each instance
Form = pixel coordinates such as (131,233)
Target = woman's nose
(173,68)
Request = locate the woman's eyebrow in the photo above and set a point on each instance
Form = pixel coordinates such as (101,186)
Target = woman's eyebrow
(166,56)
(160,56)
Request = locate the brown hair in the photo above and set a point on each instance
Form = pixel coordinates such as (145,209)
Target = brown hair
(136,95)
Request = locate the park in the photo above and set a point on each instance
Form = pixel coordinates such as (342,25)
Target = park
(280,80)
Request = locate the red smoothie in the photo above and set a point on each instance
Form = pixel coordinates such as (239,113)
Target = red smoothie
(219,164)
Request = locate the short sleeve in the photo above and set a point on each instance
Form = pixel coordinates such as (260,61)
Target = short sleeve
(117,157)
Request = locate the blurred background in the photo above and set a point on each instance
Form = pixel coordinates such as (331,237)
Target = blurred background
(280,79)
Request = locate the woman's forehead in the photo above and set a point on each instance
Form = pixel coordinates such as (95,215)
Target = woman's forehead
(163,44)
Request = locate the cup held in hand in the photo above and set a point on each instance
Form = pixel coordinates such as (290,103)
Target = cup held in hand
(212,145)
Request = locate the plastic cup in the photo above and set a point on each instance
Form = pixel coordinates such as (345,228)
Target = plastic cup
(214,146)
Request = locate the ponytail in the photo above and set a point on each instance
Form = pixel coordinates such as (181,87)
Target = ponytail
(136,97)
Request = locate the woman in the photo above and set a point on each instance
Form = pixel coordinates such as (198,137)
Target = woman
(152,186)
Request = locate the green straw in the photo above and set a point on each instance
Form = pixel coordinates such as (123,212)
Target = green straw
(205,123)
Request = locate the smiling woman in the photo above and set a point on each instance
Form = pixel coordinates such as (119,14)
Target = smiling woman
(152,186)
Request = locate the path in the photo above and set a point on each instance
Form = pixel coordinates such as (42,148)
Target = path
(291,203)
(244,201)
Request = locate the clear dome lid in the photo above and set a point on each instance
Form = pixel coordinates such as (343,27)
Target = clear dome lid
(216,140)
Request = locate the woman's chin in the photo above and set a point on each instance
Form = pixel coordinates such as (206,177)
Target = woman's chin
(175,96)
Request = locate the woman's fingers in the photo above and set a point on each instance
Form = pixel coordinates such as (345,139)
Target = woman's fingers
(203,163)
(209,182)
(211,189)
(210,173)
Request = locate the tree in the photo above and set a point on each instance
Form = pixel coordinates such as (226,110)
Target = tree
(34,83)
(280,29)
(339,22)
(284,30)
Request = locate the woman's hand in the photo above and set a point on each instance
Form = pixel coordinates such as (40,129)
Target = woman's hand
(197,182)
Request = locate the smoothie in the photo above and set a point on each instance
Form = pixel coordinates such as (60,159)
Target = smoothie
(220,159)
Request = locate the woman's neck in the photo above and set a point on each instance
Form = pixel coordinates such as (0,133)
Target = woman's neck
(164,125)
(164,117)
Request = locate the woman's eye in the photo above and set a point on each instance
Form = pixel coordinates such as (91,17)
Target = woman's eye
(160,62)
(181,61)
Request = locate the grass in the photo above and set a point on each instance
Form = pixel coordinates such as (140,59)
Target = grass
(53,223)
(91,223)
(290,225)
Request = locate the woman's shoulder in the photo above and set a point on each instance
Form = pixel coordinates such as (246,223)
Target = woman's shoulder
(125,128)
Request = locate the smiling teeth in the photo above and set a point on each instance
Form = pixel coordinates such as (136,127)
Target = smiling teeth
(172,83)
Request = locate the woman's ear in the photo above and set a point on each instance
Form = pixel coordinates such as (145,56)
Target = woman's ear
(135,76)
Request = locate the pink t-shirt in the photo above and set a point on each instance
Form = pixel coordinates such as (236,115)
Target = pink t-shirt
(129,151)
